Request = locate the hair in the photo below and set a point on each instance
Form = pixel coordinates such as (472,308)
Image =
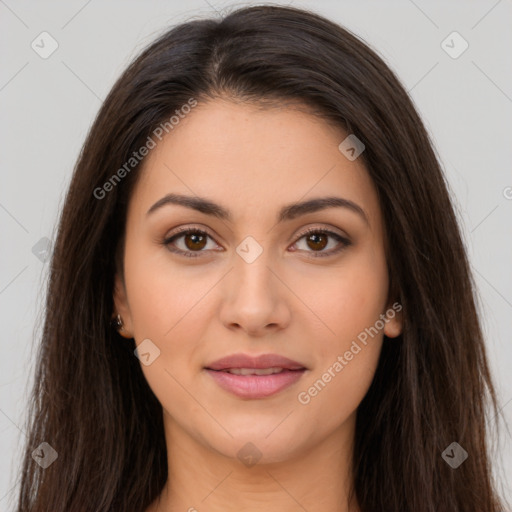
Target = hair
(90,400)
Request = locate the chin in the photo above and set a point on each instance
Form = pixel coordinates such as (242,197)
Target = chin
(255,445)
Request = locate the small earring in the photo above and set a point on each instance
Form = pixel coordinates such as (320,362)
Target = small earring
(117,323)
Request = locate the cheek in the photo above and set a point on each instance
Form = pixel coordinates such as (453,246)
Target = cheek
(349,301)
(345,360)
(162,295)
(348,298)
(167,307)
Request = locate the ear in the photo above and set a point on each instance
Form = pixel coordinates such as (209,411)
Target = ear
(122,308)
(394,323)
(394,315)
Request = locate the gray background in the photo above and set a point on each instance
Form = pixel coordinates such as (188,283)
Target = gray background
(47,106)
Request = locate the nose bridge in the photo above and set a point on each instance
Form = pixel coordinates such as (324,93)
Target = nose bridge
(253,298)
(251,274)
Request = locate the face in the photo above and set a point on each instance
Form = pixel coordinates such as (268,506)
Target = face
(256,277)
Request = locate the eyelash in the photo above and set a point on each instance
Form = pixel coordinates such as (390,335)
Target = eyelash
(345,242)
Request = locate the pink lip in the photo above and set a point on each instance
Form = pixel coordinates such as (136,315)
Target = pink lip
(255,386)
(261,361)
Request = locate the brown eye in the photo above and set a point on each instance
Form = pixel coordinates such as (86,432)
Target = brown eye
(316,240)
(188,242)
(194,241)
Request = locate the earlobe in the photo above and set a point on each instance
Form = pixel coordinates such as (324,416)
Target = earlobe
(394,313)
(394,323)
(121,314)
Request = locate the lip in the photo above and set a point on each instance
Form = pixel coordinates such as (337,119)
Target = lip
(256,362)
(255,386)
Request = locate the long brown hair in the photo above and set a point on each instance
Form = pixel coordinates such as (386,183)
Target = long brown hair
(432,387)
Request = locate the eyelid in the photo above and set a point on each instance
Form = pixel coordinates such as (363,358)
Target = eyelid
(343,240)
(306,231)
(332,232)
(187,228)
(325,228)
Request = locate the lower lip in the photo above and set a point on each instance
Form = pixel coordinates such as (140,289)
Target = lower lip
(255,386)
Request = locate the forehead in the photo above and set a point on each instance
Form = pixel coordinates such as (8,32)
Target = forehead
(253,160)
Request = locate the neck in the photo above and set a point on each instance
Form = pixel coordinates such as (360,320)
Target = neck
(203,480)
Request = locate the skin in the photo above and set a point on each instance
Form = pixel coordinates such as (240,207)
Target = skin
(253,161)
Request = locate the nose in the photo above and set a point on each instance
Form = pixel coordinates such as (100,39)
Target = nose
(255,300)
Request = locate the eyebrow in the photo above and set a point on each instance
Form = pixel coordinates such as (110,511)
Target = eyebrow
(287,212)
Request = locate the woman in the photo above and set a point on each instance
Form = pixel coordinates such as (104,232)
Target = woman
(259,297)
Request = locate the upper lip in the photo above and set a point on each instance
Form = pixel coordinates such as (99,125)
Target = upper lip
(257,362)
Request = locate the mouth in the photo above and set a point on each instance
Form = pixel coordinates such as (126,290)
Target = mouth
(255,383)
(257,371)
(254,377)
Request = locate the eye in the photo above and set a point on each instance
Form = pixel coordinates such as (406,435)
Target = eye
(192,245)
(194,240)
(318,239)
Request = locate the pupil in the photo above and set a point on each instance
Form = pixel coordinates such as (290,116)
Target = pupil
(197,240)
(314,238)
